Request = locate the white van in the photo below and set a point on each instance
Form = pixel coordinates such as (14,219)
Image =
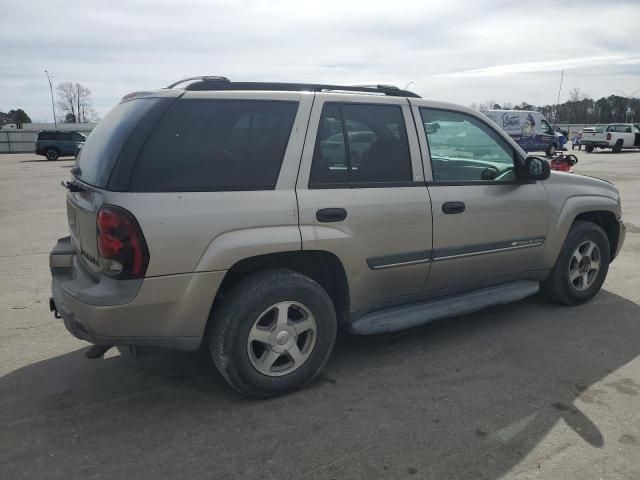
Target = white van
(531,130)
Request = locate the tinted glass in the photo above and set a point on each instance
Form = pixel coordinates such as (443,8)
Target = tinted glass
(545,127)
(209,145)
(64,136)
(77,137)
(329,164)
(46,136)
(103,145)
(464,149)
(370,148)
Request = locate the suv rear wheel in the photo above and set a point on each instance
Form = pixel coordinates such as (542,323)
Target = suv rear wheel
(581,267)
(52,153)
(272,333)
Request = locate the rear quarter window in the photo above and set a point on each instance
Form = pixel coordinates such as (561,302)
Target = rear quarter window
(46,136)
(215,145)
(103,145)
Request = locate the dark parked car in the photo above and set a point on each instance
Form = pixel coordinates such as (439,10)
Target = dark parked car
(53,144)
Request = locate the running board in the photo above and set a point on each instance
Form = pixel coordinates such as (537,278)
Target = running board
(415,314)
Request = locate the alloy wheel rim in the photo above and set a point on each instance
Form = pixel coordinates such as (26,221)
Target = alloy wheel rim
(282,339)
(584,265)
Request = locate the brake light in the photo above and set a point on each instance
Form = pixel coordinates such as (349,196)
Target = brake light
(609,136)
(121,246)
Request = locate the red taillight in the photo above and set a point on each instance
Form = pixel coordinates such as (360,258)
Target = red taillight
(609,136)
(123,251)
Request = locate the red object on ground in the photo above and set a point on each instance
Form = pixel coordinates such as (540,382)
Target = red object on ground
(563,163)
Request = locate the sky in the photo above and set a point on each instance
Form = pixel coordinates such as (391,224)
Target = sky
(462,51)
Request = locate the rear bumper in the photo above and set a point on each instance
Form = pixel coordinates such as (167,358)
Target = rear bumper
(169,311)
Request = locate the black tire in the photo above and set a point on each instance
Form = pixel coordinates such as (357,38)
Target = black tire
(51,153)
(234,318)
(551,150)
(558,286)
(617,148)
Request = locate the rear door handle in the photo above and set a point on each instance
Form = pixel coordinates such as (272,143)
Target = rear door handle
(326,215)
(453,207)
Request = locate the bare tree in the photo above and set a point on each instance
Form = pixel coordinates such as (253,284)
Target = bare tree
(575,95)
(74,100)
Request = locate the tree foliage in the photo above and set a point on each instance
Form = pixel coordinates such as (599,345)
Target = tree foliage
(17,116)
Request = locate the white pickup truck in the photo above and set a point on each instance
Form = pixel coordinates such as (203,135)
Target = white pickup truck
(616,137)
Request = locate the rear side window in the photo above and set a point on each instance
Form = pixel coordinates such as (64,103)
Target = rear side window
(216,145)
(360,145)
(102,147)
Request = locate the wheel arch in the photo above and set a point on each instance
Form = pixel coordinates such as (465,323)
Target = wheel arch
(606,220)
(322,266)
(602,211)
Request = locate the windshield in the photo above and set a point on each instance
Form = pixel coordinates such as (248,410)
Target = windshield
(104,143)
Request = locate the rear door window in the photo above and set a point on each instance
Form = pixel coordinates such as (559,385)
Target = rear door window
(216,145)
(360,145)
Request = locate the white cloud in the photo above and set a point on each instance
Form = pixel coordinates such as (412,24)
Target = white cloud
(544,66)
(461,50)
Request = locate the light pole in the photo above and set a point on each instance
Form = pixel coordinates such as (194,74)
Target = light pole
(55,122)
(629,97)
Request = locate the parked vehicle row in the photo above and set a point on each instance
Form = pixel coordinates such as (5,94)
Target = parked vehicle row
(255,220)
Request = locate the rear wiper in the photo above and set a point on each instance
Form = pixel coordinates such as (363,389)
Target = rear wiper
(73,186)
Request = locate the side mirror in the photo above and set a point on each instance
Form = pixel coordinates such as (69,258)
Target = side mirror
(536,168)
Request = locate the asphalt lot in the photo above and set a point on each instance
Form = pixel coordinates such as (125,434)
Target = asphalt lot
(524,391)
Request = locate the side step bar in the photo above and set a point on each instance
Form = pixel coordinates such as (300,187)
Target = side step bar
(415,314)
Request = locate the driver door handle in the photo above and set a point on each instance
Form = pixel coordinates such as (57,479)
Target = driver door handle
(453,207)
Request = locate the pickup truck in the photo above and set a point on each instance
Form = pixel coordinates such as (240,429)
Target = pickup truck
(616,137)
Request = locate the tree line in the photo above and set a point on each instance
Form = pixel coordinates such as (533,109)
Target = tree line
(579,109)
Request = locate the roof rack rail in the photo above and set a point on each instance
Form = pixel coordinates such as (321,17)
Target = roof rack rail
(223,83)
(202,78)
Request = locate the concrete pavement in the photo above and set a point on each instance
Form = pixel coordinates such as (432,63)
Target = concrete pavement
(524,391)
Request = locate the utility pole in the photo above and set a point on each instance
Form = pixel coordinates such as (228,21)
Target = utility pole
(558,102)
(55,122)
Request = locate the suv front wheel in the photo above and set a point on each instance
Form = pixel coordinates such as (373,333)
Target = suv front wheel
(581,267)
(272,333)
